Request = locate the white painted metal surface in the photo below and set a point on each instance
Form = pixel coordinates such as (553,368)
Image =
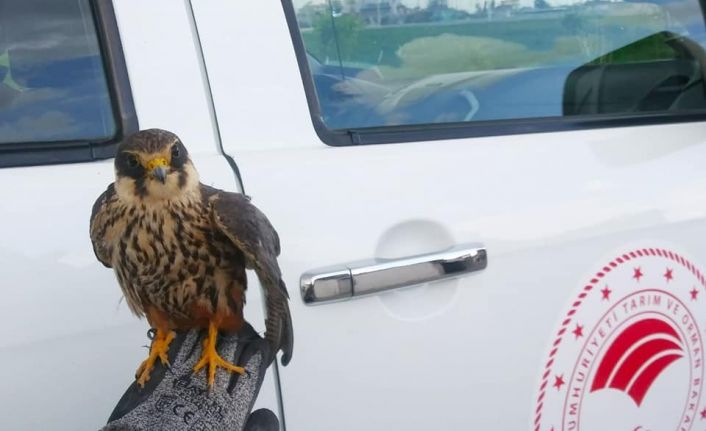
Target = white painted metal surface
(252,67)
(161,51)
(550,209)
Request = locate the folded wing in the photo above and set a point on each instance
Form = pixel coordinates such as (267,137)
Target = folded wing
(251,232)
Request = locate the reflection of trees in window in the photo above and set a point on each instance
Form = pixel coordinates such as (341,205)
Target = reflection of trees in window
(338,36)
(513,58)
(349,31)
(310,12)
(541,4)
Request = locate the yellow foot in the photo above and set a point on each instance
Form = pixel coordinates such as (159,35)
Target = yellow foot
(211,357)
(159,349)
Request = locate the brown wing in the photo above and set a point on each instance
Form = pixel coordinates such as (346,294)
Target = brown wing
(250,231)
(100,221)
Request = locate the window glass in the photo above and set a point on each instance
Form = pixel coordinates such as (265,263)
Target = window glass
(401,62)
(52,83)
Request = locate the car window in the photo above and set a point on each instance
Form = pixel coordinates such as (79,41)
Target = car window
(52,82)
(409,62)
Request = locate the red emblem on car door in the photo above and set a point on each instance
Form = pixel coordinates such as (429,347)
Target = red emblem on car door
(628,353)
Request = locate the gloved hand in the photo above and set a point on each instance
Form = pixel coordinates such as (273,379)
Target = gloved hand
(176,399)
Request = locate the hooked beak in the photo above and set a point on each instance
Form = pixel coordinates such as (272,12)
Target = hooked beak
(160,174)
(158,169)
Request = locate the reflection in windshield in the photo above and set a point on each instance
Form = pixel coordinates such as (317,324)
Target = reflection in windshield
(391,62)
(52,84)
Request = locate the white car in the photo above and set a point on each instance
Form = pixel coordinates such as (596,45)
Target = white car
(493,214)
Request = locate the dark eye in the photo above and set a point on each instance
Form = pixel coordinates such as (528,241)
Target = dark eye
(175,151)
(131,161)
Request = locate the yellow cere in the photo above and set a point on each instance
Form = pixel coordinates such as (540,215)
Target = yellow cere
(156,162)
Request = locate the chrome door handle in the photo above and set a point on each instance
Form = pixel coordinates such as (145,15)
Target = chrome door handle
(361,278)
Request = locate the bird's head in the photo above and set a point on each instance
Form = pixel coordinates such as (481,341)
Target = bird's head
(153,164)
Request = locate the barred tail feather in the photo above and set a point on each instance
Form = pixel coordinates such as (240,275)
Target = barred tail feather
(278,324)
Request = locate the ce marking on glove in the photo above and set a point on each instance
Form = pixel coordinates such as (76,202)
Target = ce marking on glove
(180,410)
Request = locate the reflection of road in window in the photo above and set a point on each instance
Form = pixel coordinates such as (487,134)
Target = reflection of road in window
(513,55)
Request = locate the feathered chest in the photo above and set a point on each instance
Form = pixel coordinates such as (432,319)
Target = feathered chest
(170,248)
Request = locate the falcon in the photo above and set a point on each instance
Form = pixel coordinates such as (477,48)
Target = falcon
(180,249)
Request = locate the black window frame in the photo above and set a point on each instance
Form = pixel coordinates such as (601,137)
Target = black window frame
(459,130)
(120,93)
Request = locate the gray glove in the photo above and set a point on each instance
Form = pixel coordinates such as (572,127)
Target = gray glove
(176,399)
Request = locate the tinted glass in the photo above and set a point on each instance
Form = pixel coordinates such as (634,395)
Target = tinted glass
(52,83)
(400,62)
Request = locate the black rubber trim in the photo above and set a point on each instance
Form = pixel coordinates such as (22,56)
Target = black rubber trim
(329,137)
(440,131)
(45,153)
(432,132)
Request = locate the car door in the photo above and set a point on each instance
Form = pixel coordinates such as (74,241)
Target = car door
(74,81)
(566,141)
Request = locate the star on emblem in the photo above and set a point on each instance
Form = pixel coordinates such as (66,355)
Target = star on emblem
(578,332)
(637,274)
(668,275)
(606,293)
(559,382)
(694,293)
(703,413)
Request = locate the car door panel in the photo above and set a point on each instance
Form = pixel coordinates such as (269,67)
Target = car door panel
(548,208)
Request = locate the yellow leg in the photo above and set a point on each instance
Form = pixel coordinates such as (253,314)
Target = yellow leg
(211,358)
(158,350)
